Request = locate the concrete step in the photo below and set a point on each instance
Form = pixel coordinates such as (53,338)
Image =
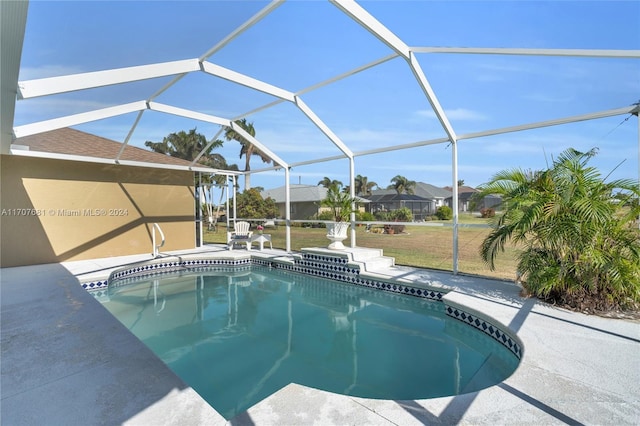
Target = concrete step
(369,259)
(358,254)
(378,263)
(361,254)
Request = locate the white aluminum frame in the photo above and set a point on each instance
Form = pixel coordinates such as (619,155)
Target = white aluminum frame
(12,27)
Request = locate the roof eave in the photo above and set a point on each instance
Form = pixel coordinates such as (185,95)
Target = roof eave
(52,155)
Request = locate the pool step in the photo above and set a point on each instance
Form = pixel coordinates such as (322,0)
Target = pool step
(378,263)
(369,259)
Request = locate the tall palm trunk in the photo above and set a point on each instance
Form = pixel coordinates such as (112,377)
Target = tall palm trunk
(247,168)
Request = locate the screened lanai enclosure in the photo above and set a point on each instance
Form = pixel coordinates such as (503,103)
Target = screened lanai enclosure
(437,92)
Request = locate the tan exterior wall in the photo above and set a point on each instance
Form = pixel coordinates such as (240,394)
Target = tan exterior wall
(55,210)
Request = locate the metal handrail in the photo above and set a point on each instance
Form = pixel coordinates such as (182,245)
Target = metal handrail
(156,248)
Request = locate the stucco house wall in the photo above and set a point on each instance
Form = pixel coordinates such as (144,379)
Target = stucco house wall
(57,210)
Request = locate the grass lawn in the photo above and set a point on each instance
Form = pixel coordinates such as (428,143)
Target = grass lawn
(420,246)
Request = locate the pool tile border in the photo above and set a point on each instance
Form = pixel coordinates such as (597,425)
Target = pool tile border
(95,285)
(490,329)
(152,268)
(338,268)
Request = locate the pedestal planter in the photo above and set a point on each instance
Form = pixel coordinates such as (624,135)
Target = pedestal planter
(336,233)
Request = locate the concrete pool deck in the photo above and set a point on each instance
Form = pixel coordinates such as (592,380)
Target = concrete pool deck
(65,360)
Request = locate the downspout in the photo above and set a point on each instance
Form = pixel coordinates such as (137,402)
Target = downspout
(233,182)
(199,209)
(235,201)
(352,190)
(287,209)
(454,203)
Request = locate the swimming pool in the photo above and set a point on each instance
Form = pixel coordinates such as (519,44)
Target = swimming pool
(238,336)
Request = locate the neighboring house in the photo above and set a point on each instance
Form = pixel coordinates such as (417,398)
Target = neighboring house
(424,201)
(72,207)
(387,200)
(489,201)
(467,202)
(305,200)
(437,195)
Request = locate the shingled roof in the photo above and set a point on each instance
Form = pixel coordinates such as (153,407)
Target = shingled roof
(421,190)
(75,142)
(301,193)
(391,196)
(462,189)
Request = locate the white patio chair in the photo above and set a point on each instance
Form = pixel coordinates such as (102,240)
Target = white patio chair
(241,234)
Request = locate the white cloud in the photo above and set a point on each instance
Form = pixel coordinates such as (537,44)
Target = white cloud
(515,147)
(462,114)
(32,73)
(32,110)
(545,97)
(437,167)
(296,140)
(365,139)
(523,68)
(535,142)
(368,135)
(420,167)
(497,66)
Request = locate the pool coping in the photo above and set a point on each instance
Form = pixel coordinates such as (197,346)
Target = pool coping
(565,376)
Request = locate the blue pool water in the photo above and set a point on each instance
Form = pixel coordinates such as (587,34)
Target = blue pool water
(237,337)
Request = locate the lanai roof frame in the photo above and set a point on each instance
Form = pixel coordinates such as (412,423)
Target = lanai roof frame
(14,14)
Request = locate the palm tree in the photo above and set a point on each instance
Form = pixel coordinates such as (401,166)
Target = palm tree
(580,245)
(363,186)
(187,146)
(328,183)
(401,185)
(247,148)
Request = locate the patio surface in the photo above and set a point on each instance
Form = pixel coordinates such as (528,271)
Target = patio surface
(65,361)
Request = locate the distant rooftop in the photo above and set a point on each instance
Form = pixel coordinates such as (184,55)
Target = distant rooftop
(301,193)
(422,190)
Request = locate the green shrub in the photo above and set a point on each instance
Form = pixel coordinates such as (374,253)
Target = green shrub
(444,213)
(402,215)
(580,245)
(382,216)
(365,216)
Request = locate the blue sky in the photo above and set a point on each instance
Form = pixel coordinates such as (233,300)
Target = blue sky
(303,43)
